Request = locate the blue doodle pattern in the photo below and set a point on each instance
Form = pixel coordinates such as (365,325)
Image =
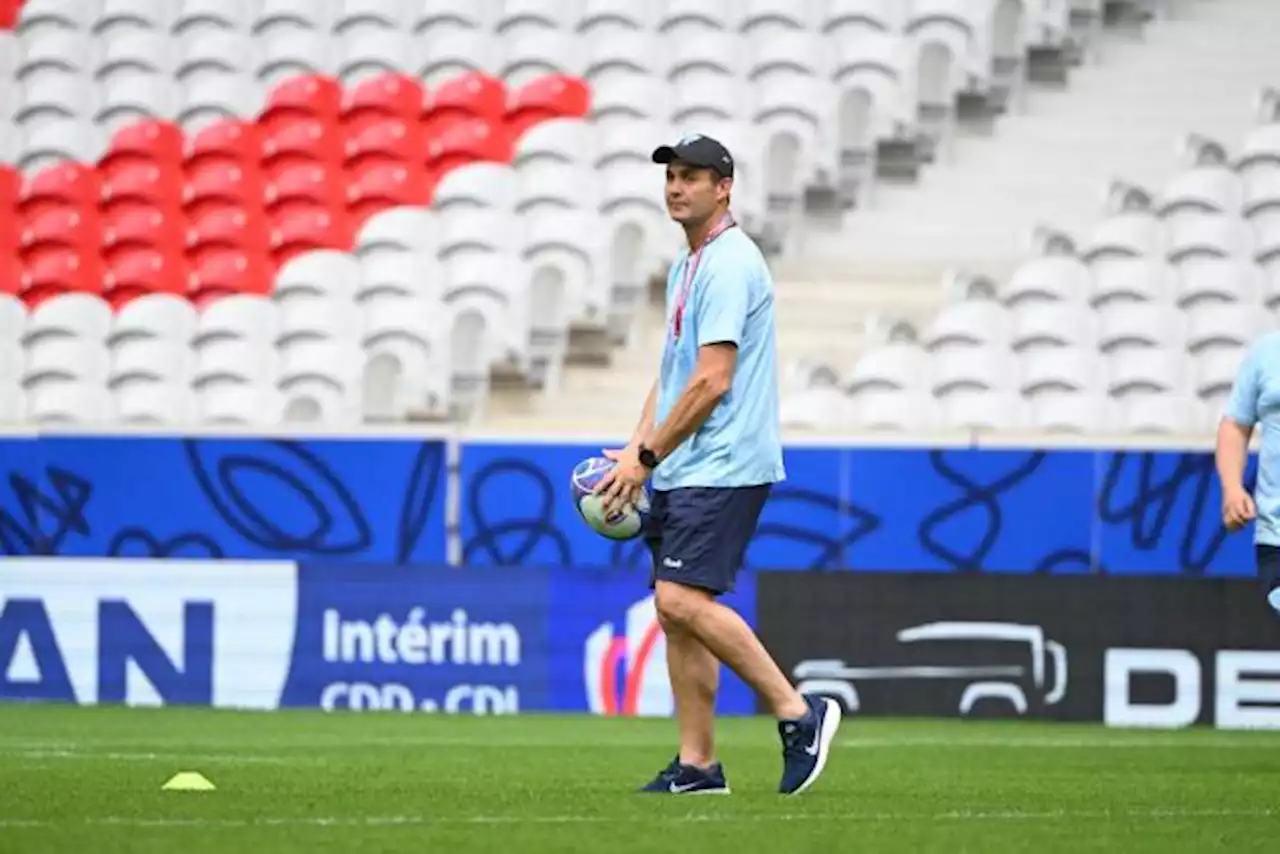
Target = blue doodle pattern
(383,501)
(358,500)
(897,510)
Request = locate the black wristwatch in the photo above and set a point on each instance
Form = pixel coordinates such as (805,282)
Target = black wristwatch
(647,458)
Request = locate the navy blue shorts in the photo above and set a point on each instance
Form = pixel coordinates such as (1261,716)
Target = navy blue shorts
(1268,558)
(698,535)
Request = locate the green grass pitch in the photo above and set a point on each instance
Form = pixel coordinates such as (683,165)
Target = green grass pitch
(88,780)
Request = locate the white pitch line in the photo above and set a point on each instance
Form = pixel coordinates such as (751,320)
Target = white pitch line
(707,818)
(1271,741)
(239,758)
(295,754)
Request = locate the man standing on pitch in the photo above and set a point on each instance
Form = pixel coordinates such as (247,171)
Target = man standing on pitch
(1253,402)
(709,437)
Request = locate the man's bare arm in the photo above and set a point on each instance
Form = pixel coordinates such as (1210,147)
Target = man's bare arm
(1232,452)
(645,427)
(712,378)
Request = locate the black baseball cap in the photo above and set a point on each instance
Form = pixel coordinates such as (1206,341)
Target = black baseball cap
(697,150)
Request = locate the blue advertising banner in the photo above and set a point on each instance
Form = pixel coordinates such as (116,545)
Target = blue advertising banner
(608,652)
(367,500)
(432,640)
(897,510)
(387,501)
(358,637)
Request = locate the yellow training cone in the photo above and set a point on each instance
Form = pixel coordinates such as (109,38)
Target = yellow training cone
(189,781)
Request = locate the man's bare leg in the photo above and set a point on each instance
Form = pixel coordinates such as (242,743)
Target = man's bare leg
(724,633)
(695,676)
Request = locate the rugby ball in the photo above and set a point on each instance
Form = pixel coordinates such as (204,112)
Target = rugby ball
(625,524)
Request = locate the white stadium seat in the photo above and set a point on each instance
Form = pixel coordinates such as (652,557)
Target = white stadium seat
(1134,280)
(968,368)
(1052,278)
(211,15)
(971,322)
(1126,326)
(1059,369)
(982,410)
(893,366)
(894,410)
(1050,325)
(1066,411)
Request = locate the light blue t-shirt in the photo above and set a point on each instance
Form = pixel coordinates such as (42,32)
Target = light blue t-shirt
(731,299)
(1255,399)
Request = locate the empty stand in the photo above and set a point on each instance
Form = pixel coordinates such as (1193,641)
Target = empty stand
(1138,328)
(288,154)
(349,210)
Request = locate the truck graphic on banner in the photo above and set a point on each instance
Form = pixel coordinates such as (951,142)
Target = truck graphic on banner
(1025,667)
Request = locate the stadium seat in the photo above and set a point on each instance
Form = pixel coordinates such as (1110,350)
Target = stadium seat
(1216,369)
(320,382)
(141,271)
(1144,370)
(1038,325)
(594,15)
(1132,325)
(893,366)
(1067,411)
(1155,413)
(65,343)
(967,368)
(1133,280)
(1059,369)
(197,16)
(1219,279)
(122,16)
(981,410)
(969,323)
(1053,278)
(892,410)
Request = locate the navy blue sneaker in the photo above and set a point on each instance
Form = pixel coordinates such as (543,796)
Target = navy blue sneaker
(677,779)
(806,744)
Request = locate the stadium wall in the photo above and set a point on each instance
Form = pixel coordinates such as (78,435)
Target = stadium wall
(415,573)
(401,500)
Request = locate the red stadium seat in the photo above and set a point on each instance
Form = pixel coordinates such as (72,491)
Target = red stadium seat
(303,230)
(468,96)
(381,186)
(466,142)
(141,271)
(228,272)
(389,140)
(555,96)
(10,274)
(306,95)
(10,187)
(130,180)
(230,140)
(309,184)
(151,140)
(221,183)
(220,228)
(61,185)
(75,228)
(304,139)
(385,96)
(9,13)
(59,270)
(132,227)
(10,193)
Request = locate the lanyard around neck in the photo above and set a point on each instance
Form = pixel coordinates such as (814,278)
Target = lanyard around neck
(691,269)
